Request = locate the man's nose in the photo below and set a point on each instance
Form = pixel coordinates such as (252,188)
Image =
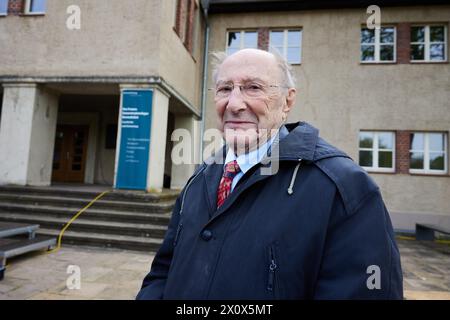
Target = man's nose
(236,100)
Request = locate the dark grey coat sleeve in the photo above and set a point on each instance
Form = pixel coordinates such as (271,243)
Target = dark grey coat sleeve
(358,245)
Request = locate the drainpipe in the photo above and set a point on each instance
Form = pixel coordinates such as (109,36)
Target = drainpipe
(205,6)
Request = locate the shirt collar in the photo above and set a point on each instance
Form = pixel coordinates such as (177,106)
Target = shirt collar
(248,160)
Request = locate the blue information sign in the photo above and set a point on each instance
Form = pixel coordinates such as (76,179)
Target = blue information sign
(134,139)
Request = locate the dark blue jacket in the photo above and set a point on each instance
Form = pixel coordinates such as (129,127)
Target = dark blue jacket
(319,240)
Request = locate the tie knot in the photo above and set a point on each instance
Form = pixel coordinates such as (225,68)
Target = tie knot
(231,169)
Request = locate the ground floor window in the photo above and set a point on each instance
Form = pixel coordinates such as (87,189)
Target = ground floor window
(428,152)
(376,150)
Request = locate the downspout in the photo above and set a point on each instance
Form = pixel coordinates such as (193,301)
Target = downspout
(205,6)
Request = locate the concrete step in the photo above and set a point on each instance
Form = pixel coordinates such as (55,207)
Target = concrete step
(91,213)
(92,226)
(105,240)
(79,203)
(91,192)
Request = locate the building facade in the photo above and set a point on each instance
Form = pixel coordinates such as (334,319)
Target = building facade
(63,87)
(382,95)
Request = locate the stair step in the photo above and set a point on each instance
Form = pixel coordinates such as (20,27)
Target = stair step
(80,203)
(106,240)
(91,213)
(116,228)
(72,192)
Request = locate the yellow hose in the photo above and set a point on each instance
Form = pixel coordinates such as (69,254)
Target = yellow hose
(74,218)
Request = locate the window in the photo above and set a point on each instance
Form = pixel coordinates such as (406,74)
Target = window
(428,43)
(3,7)
(35,6)
(237,40)
(428,153)
(185,22)
(288,43)
(378,45)
(376,151)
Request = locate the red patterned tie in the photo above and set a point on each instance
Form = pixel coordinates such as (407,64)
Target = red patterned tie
(230,171)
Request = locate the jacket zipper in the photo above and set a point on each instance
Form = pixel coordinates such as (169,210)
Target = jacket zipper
(177,235)
(272,267)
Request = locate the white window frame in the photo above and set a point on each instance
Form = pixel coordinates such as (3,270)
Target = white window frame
(427,43)
(5,13)
(27,10)
(426,155)
(378,44)
(375,150)
(285,42)
(242,42)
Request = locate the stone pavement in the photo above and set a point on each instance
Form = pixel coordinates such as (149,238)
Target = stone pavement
(115,274)
(104,274)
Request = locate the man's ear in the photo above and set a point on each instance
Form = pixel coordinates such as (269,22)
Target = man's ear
(290,100)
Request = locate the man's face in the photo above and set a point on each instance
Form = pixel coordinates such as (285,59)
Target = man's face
(247,117)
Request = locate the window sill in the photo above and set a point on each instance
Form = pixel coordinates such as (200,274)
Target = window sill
(184,44)
(430,174)
(33,14)
(373,170)
(381,172)
(428,62)
(377,62)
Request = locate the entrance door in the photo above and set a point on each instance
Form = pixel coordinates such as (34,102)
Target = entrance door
(69,157)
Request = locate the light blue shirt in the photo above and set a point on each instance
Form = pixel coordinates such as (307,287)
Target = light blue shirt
(249,160)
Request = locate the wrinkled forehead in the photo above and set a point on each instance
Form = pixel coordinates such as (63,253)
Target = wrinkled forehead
(240,68)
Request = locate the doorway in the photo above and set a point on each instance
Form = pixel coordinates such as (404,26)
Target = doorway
(69,157)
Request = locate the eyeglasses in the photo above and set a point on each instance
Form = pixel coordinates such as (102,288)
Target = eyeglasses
(248,90)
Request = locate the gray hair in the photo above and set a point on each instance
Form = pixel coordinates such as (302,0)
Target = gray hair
(284,67)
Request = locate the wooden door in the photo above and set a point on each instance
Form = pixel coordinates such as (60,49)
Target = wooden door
(69,157)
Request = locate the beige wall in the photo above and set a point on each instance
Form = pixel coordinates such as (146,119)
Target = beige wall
(340,96)
(117,38)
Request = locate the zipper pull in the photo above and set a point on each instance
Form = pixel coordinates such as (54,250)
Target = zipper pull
(177,234)
(272,268)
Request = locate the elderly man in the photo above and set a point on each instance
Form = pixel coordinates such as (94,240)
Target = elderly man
(314,228)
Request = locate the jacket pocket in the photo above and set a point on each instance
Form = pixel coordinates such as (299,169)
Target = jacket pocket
(178,233)
(272,271)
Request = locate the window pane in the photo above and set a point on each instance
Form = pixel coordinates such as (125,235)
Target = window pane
(276,38)
(365,158)
(385,140)
(385,159)
(387,35)
(3,6)
(38,5)
(386,53)
(367,53)
(436,161)
(278,50)
(437,52)
(416,142)
(366,140)
(436,141)
(251,40)
(234,39)
(230,51)
(367,35)
(294,38)
(417,52)
(416,160)
(417,34)
(436,34)
(293,55)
